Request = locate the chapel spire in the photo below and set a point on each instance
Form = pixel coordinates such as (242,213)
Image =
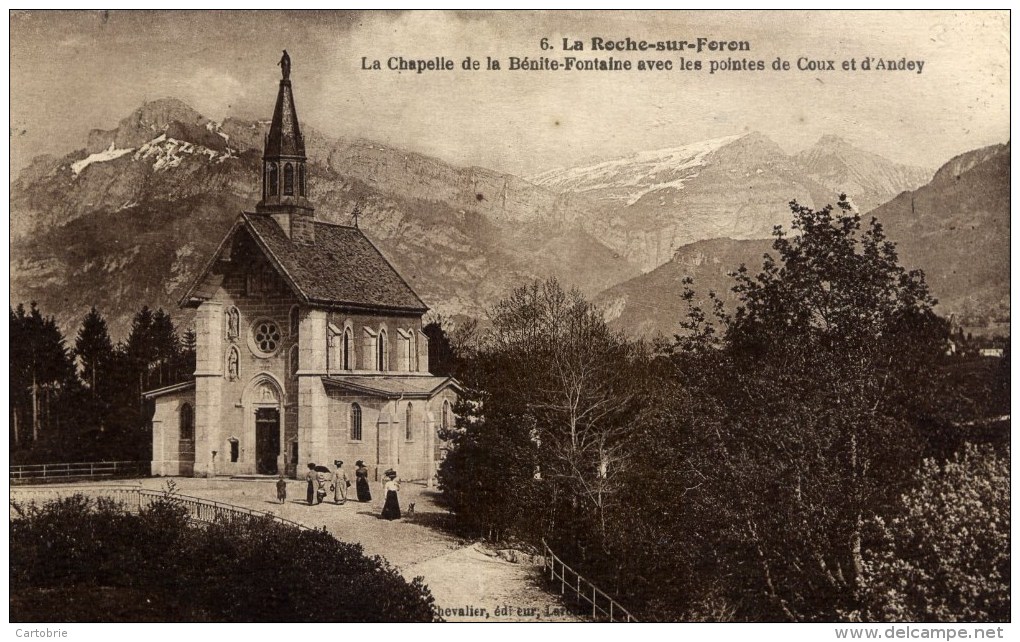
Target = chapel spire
(284,172)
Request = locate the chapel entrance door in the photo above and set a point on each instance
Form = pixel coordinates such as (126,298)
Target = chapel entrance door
(267,440)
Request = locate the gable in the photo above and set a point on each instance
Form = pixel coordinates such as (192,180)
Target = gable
(240,253)
(341,269)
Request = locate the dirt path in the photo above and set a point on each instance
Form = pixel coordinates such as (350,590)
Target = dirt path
(469,581)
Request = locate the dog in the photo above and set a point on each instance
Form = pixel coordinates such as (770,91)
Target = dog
(410,511)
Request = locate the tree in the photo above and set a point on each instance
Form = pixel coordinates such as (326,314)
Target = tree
(571,376)
(550,413)
(488,475)
(822,374)
(450,344)
(41,367)
(189,351)
(140,350)
(944,555)
(94,350)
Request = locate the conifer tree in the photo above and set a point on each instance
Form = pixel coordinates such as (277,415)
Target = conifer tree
(94,350)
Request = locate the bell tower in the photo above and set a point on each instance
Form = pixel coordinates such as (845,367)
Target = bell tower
(284,172)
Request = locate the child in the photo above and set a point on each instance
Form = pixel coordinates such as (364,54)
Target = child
(281,489)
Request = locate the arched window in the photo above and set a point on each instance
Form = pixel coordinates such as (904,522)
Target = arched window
(409,423)
(301,179)
(446,415)
(273,179)
(380,351)
(355,422)
(187,422)
(295,320)
(288,180)
(294,361)
(348,343)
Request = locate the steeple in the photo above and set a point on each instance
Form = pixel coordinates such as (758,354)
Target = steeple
(284,172)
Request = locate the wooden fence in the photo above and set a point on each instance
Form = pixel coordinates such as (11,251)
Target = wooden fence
(134,499)
(571,582)
(34,473)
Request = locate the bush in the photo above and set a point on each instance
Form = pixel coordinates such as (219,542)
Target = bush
(243,569)
(945,557)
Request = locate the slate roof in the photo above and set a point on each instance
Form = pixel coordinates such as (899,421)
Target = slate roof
(408,386)
(342,268)
(285,137)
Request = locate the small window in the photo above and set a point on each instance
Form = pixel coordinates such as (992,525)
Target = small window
(301,179)
(294,365)
(263,282)
(380,351)
(409,423)
(187,422)
(347,343)
(446,415)
(355,422)
(288,180)
(273,179)
(235,450)
(293,453)
(295,321)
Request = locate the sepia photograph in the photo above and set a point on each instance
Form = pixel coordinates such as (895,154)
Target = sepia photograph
(513,316)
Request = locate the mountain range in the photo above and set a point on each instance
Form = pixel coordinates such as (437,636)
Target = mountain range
(129,218)
(955,228)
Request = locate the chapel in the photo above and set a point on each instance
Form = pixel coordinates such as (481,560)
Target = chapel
(309,344)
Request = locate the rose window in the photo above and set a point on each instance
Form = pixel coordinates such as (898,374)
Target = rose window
(265,337)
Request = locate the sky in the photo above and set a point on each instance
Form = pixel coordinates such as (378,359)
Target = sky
(75,71)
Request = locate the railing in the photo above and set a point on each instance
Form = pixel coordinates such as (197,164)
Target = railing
(127,495)
(208,511)
(583,590)
(78,470)
(135,498)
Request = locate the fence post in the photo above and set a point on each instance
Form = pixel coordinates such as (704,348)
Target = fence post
(611,602)
(593,589)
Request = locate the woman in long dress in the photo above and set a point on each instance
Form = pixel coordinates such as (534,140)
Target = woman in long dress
(361,475)
(340,484)
(322,476)
(391,509)
(310,476)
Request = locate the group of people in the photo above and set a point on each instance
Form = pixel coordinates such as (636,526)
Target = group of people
(321,482)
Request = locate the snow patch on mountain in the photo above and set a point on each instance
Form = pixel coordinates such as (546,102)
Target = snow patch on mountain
(215,128)
(170,152)
(646,171)
(100,157)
